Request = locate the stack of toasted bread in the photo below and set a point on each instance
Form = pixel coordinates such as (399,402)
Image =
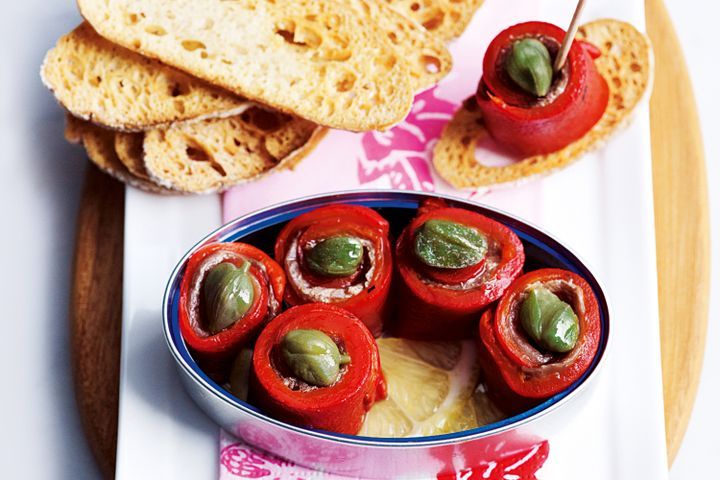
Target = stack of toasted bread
(194,96)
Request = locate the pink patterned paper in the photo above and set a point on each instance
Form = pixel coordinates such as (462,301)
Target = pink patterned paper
(519,459)
(401,155)
(240,460)
(399,158)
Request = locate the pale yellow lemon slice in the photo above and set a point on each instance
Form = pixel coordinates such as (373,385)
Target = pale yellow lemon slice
(432,389)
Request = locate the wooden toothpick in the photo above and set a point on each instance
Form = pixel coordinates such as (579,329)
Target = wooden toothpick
(569,36)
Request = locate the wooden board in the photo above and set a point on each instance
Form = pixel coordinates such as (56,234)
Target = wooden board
(96,312)
(682,225)
(682,229)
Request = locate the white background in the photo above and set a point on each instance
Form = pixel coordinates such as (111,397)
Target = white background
(40,435)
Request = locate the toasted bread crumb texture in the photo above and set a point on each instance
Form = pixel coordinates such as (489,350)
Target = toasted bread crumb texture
(445,18)
(625,63)
(294,158)
(212,155)
(99,144)
(312,58)
(427,57)
(129,149)
(109,85)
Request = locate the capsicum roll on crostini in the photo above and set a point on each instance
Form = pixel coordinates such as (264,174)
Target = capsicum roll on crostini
(228,293)
(339,254)
(526,105)
(317,366)
(541,338)
(452,263)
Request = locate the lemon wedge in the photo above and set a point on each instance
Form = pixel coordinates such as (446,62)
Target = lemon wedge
(432,389)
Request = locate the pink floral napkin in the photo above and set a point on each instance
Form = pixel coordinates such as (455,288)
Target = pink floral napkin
(400,159)
(519,461)
(240,460)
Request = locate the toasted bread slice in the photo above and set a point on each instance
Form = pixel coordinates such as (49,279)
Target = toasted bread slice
(311,58)
(129,149)
(99,144)
(427,57)
(111,86)
(212,155)
(626,64)
(445,18)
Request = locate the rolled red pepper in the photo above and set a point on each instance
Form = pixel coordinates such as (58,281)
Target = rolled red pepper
(267,278)
(339,407)
(531,125)
(363,292)
(445,304)
(519,373)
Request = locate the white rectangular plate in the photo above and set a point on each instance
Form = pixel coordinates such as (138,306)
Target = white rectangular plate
(601,207)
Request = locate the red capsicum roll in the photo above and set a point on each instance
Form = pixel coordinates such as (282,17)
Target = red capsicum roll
(541,338)
(525,105)
(452,263)
(317,365)
(228,292)
(338,254)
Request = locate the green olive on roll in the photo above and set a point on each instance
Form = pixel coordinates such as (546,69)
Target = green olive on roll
(550,322)
(336,256)
(447,244)
(228,294)
(312,356)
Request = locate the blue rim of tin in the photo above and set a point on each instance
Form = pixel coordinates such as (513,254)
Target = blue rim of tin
(282,212)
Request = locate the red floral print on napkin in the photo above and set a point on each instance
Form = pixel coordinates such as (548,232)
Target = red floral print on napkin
(512,462)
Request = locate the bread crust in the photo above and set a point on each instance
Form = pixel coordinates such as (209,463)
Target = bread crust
(115,88)
(446,19)
(99,145)
(213,155)
(162,160)
(309,58)
(428,59)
